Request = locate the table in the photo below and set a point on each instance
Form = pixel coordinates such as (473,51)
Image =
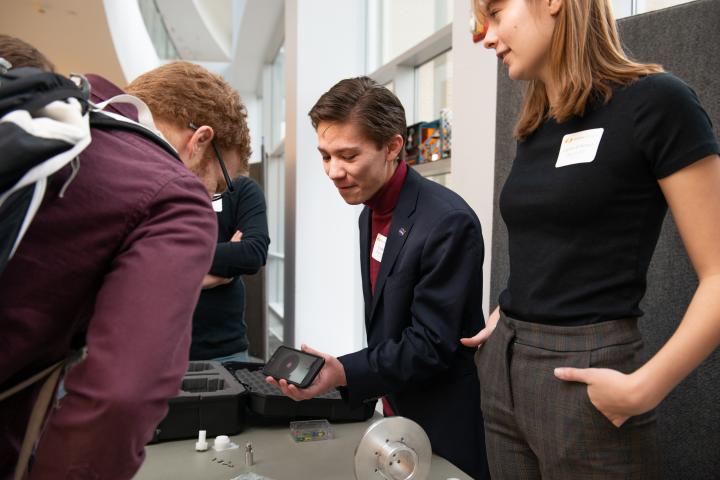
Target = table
(276,456)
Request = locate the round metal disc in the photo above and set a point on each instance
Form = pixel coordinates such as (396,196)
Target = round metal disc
(385,432)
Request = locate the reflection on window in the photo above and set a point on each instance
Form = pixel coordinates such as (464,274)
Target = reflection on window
(164,46)
(276,256)
(433,83)
(278,97)
(275,178)
(405,23)
(429,141)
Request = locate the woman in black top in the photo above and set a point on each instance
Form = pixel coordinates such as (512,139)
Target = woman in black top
(219,330)
(605,144)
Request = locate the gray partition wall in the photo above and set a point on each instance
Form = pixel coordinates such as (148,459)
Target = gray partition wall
(686,40)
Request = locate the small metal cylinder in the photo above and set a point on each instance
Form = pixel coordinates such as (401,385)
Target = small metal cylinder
(249,455)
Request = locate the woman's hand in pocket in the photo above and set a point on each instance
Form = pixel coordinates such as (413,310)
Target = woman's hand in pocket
(616,395)
(482,336)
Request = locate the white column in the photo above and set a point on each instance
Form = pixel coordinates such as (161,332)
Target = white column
(325,42)
(133,46)
(254,121)
(473,136)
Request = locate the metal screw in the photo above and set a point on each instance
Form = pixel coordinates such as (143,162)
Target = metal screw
(249,458)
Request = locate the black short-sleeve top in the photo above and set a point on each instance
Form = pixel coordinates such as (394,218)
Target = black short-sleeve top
(583,207)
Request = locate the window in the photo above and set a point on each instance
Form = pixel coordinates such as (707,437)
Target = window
(275,178)
(275,268)
(164,46)
(395,26)
(433,87)
(414,59)
(433,97)
(278,97)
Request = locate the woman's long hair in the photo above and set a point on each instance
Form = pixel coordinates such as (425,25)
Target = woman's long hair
(586,60)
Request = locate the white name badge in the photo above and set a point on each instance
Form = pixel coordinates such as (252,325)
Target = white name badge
(217,205)
(379,247)
(580,147)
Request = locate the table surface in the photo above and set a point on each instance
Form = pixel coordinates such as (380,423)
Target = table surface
(276,455)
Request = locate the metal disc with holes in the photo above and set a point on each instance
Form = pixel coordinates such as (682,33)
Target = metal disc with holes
(394,448)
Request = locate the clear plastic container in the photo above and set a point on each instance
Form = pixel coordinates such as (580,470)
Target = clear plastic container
(311,430)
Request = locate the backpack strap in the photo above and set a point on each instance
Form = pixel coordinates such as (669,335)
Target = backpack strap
(103,121)
(145,125)
(39,411)
(144,114)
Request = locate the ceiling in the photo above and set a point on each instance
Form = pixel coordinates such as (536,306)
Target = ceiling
(73,34)
(233,37)
(259,35)
(201,30)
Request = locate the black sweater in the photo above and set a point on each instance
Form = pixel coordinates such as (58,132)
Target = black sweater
(219,322)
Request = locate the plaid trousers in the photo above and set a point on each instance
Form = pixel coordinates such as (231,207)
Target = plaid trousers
(537,426)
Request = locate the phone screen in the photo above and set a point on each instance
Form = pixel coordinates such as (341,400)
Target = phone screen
(293,365)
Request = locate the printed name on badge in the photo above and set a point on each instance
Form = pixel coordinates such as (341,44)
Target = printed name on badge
(217,205)
(379,247)
(580,147)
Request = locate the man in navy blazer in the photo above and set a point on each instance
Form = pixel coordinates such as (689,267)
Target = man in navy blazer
(421,256)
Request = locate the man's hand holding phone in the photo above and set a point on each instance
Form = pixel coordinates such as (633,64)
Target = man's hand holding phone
(330,375)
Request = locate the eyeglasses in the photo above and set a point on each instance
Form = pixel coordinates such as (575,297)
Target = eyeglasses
(226,176)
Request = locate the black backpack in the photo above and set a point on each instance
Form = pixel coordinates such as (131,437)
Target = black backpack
(45,122)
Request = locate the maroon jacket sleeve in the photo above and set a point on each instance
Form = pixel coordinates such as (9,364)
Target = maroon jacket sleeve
(138,341)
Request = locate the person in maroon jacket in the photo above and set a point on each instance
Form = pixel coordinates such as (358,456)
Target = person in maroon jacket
(118,263)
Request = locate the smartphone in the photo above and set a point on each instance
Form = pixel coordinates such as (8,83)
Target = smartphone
(296,367)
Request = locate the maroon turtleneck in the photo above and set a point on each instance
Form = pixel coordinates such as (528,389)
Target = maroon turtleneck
(382,205)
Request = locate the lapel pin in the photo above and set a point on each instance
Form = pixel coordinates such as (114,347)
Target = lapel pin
(402,231)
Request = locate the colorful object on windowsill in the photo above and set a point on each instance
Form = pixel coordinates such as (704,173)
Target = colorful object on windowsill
(412,143)
(478,28)
(430,142)
(446,130)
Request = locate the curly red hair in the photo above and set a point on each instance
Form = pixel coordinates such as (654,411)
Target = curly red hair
(184,92)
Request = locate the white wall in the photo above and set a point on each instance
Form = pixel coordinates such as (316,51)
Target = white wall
(325,42)
(217,15)
(622,8)
(135,50)
(406,22)
(254,120)
(474,84)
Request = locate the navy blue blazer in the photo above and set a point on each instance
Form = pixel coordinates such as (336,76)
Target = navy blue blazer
(428,294)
